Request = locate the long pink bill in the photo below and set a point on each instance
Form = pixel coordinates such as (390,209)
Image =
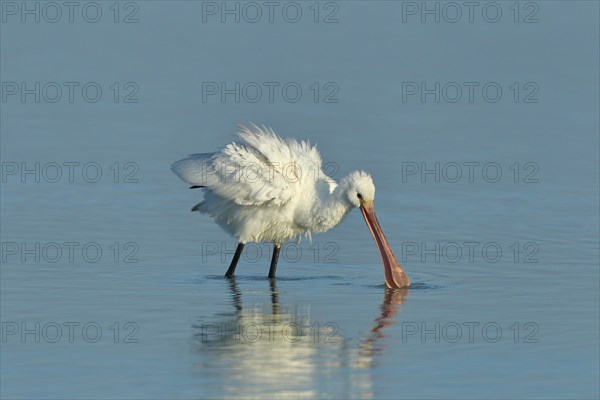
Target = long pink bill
(395,277)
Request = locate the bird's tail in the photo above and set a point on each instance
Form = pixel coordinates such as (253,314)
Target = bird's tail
(193,169)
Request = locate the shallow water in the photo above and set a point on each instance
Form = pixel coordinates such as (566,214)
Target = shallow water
(113,289)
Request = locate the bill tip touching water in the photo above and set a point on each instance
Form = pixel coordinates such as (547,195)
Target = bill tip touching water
(259,189)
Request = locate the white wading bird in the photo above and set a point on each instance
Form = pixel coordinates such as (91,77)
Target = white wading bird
(267,189)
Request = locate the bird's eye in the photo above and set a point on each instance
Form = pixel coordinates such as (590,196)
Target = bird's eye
(359,196)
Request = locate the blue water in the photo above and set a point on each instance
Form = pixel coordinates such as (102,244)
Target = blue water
(111,288)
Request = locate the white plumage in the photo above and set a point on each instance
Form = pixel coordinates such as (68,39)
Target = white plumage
(263,188)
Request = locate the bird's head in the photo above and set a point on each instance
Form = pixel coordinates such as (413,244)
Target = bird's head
(358,188)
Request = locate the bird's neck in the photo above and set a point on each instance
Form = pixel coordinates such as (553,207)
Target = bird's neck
(332,210)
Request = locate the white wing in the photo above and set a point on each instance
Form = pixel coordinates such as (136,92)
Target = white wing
(261,170)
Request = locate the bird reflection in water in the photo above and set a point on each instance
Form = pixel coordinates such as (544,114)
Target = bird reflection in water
(280,351)
(373,343)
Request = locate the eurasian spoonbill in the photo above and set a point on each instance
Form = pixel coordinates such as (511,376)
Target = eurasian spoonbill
(263,188)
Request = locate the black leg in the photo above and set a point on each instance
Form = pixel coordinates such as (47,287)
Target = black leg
(274,297)
(236,294)
(276,248)
(236,257)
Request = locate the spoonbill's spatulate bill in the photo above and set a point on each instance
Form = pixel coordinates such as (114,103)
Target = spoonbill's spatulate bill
(263,188)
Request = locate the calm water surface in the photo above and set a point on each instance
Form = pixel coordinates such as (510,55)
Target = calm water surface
(504,300)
